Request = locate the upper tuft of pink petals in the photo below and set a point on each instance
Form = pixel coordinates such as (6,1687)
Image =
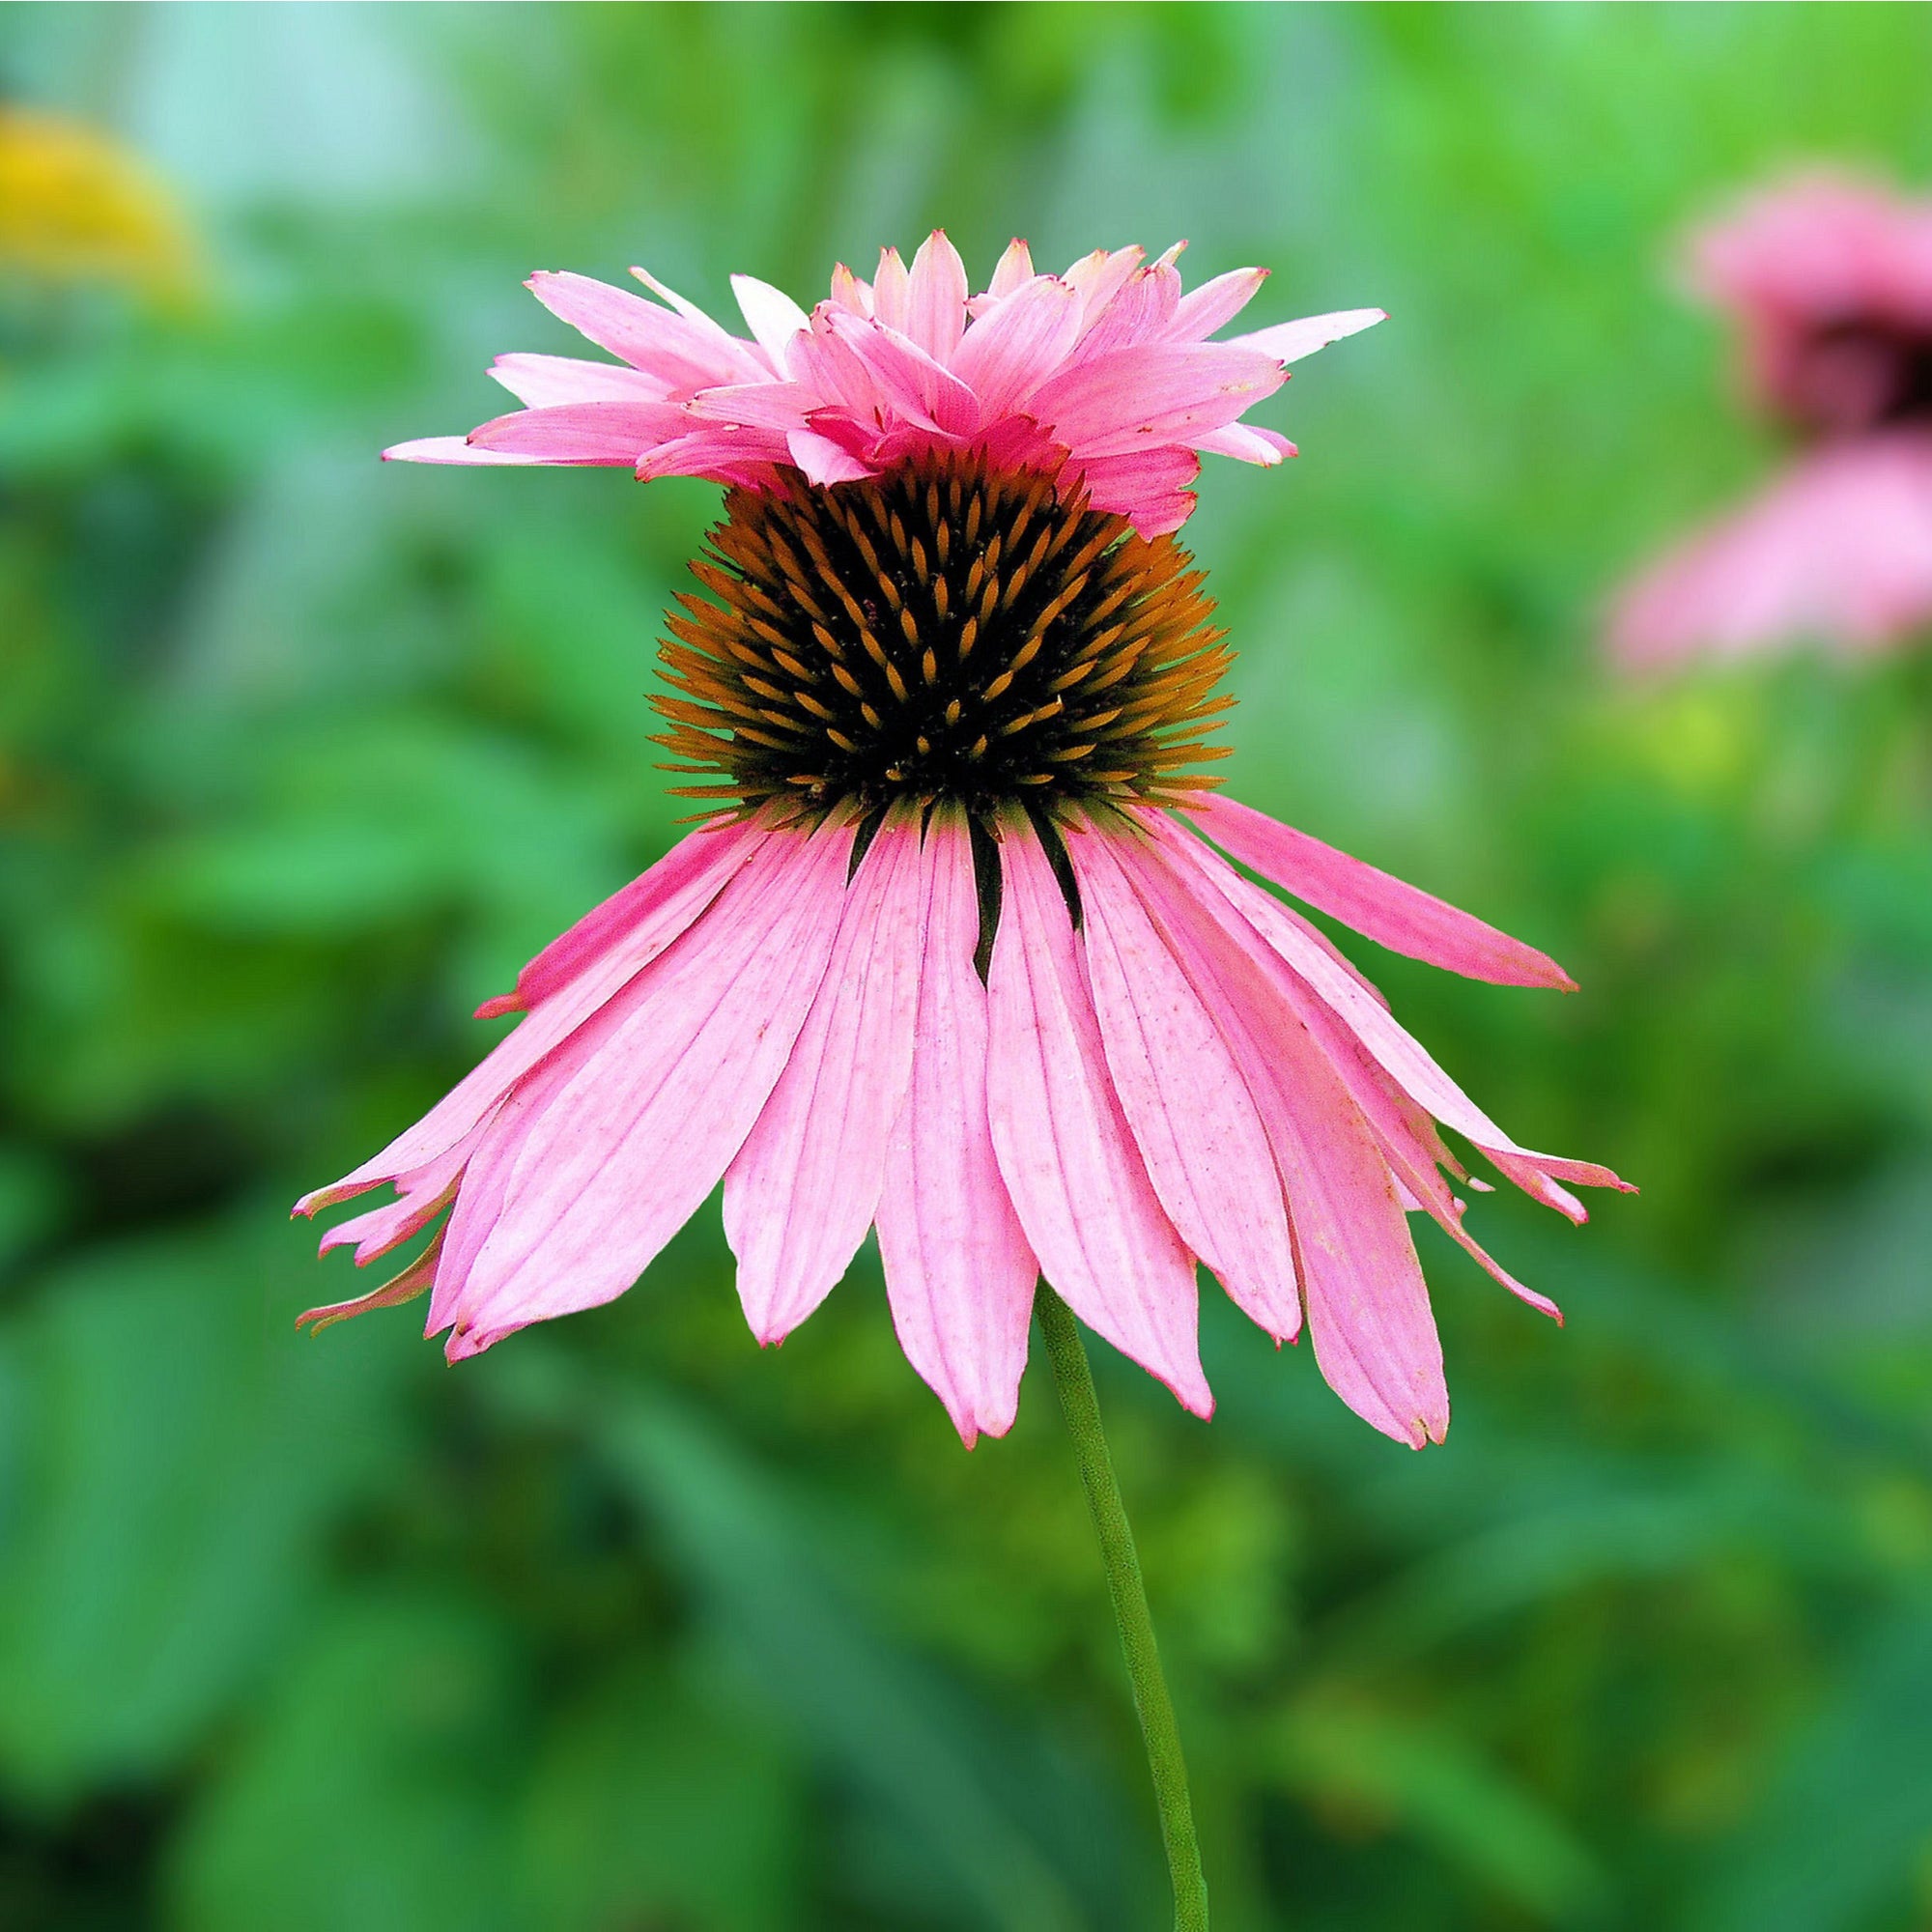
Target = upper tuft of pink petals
(1106,374)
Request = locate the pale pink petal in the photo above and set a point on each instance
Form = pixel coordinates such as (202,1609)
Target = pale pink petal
(716,335)
(1012,351)
(1069,1158)
(806,1184)
(771,315)
(959,1274)
(725,452)
(1101,277)
(892,292)
(567,983)
(1290,341)
(781,407)
(822,460)
(450,449)
(598,1179)
(1401,916)
(1132,398)
(616,433)
(1368,1308)
(1015,266)
(684,348)
(1246,444)
(936,297)
(1141,312)
(1214,303)
(1184,1096)
(851,292)
(539,382)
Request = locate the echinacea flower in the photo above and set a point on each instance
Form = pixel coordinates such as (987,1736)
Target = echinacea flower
(1830,284)
(953,957)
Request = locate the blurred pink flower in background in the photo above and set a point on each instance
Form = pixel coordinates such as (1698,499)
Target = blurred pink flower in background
(1829,283)
(946,962)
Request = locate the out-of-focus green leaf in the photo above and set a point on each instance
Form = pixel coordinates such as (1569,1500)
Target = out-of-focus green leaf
(367,1791)
(1425,1780)
(1847,1827)
(171,1454)
(648,1804)
(973,1801)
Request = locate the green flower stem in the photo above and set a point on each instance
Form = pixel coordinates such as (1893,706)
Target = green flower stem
(1074,1381)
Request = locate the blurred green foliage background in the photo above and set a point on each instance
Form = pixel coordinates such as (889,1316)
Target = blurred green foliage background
(629,1628)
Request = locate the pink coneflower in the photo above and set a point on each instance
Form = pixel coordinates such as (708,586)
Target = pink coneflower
(953,958)
(1829,283)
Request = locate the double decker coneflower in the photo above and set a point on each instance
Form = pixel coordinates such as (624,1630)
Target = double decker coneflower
(953,956)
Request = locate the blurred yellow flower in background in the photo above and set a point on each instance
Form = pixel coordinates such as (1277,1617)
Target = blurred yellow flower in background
(77,207)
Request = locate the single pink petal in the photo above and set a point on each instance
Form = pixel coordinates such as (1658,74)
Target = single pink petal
(567,983)
(1290,341)
(851,292)
(907,380)
(1380,1036)
(1246,444)
(1010,352)
(806,1184)
(598,1178)
(616,433)
(936,297)
(450,449)
(683,348)
(1015,266)
(1101,277)
(959,1274)
(690,875)
(781,407)
(1401,916)
(424,1193)
(1367,1307)
(1149,488)
(771,315)
(724,452)
(892,292)
(822,460)
(718,339)
(1141,312)
(1157,393)
(539,382)
(1069,1158)
(1214,303)
(412,1281)
(1186,1098)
